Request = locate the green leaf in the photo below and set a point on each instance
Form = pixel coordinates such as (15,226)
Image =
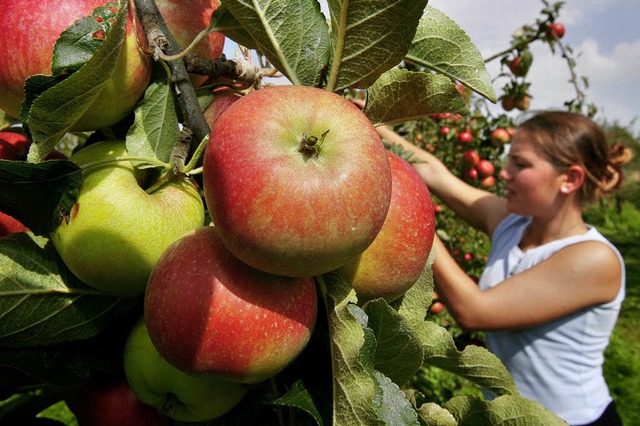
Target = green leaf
(42,303)
(53,112)
(292,34)
(414,303)
(434,415)
(298,396)
(400,95)
(353,386)
(77,43)
(369,37)
(155,127)
(40,195)
(508,409)
(392,406)
(442,46)
(399,352)
(474,363)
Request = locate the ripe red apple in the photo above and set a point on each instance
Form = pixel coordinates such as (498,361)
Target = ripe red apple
(508,103)
(396,258)
(10,225)
(308,185)
(465,137)
(485,167)
(555,30)
(471,173)
(488,181)
(523,102)
(209,313)
(112,402)
(30,30)
(436,307)
(470,157)
(13,146)
(222,99)
(500,136)
(445,130)
(185,19)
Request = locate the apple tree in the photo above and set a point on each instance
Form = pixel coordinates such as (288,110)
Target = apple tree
(137,196)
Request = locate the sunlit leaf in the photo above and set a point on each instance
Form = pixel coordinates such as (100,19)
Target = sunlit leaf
(292,34)
(442,46)
(369,37)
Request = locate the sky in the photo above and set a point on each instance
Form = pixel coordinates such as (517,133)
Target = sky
(604,36)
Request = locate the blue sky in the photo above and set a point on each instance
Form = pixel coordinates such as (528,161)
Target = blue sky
(604,36)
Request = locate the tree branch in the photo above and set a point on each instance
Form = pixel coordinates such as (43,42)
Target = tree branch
(161,41)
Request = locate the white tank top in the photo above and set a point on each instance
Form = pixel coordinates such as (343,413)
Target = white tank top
(558,364)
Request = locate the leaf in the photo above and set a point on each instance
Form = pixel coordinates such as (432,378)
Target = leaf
(398,353)
(434,415)
(414,303)
(353,386)
(39,194)
(393,407)
(400,95)
(508,409)
(53,112)
(442,46)
(300,397)
(155,127)
(77,43)
(292,34)
(474,363)
(369,37)
(42,303)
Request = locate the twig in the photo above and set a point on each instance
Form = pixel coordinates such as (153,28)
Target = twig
(161,39)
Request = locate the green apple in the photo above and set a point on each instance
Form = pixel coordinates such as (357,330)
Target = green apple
(116,230)
(181,396)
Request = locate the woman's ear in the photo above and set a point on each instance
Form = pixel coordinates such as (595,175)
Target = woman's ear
(573,179)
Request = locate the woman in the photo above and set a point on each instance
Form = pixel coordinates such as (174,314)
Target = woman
(551,292)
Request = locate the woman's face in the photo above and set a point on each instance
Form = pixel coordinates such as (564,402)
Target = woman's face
(531,181)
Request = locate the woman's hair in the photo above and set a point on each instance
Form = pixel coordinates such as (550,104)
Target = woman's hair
(567,138)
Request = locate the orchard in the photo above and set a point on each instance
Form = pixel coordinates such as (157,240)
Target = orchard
(193,239)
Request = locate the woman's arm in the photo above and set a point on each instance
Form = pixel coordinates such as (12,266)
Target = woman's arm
(574,278)
(481,209)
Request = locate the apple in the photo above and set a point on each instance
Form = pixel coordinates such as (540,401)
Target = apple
(308,185)
(470,157)
(488,181)
(523,102)
(13,146)
(445,130)
(108,402)
(185,19)
(465,137)
(396,258)
(508,102)
(30,30)
(500,136)
(555,31)
(116,231)
(436,307)
(485,167)
(471,173)
(208,313)
(223,98)
(10,225)
(174,393)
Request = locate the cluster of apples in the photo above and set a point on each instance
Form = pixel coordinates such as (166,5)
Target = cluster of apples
(297,184)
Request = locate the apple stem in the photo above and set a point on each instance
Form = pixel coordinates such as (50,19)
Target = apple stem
(190,167)
(310,145)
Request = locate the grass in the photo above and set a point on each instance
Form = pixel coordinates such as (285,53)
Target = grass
(622,357)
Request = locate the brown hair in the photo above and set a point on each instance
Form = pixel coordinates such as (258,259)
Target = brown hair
(567,138)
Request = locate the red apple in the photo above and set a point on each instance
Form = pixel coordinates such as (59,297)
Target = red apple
(10,225)
(396,258)
(222,99)
(555,30)
(445,130)
(30,30)
(207,313)
(470,157)
(185,19)
(13,146)
(488,181)
(500,136)
(308,185)
(112,402)
(471,173)
(465,137)
(485,167)
(436,307)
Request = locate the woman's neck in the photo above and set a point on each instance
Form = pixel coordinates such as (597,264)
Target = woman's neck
(542,230)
